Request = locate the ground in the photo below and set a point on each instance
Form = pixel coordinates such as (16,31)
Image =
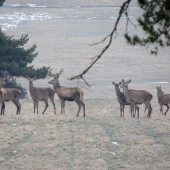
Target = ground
(101,140)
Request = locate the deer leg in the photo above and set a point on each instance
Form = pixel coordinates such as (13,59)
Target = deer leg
(145,109)
(52,101)
(148,105)
(46,105)
(83,107)
(130,109)
(137,109)
(17,106)
(61,105)
(167,109)
(36,105)
(120,110)
(123,108)
(133,107)
(2,108)
(161,109)
(150,111)
(79,105)
(64,106)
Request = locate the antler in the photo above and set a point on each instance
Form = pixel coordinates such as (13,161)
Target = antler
(58,74)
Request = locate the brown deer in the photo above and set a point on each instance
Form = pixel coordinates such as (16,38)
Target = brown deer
(2,96)
(122,100)
(12,95)
(41,94)
(163,99)
(137,96)
(68,94)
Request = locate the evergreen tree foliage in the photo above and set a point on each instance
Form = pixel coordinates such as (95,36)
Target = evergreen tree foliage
(2,2)
(15,60)
(155,21)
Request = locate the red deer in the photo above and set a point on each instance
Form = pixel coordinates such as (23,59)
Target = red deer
(41,94)
(12,95)
(163,99)
(2,96)
(122,100)
(68,94)
(137,96)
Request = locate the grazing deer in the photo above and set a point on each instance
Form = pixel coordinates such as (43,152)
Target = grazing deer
(41,94)
(12,95)
(68,94)
(163,99)
(137,96)
(122,100)
(2,96)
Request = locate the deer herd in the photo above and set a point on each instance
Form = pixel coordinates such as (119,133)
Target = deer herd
(130,97)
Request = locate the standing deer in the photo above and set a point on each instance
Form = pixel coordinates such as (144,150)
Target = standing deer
(68,94)
(2,96)
(12,95)
(122,100)
(41,94)
(137,96)
(163,99)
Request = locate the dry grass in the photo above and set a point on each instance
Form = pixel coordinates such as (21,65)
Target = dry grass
(101,140)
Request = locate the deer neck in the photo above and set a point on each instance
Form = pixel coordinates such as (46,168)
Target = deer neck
(56,86)
(160,95)
(31,87)
(118,92)
(126,91)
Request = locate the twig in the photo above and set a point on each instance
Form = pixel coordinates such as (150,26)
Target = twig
(123,9)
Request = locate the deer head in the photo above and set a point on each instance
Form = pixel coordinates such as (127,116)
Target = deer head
(56,77)
(125,84)
(159,90)
(31,79)
(116,85)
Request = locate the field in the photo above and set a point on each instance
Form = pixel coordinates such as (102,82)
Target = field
(62,31)
(101,140)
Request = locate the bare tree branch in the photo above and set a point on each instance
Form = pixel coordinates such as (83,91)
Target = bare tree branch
(123,9)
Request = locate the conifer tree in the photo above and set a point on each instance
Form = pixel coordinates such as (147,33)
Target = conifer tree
(15,60)
(155,21)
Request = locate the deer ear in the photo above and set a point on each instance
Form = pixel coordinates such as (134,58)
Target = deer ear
(27,77)
(120,83)
(35,78)
(129,80)
(157,88)
(113,83)
(123,80)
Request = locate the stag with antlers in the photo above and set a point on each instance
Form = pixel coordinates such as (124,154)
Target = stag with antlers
(68,94)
